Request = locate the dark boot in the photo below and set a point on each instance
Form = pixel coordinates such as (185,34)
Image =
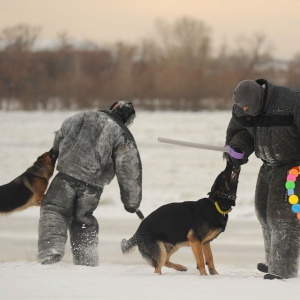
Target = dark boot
(272,276)
(51,259)
(262,267)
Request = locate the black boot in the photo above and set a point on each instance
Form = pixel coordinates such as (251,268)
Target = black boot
(51,259)
(272,276)
(262,267)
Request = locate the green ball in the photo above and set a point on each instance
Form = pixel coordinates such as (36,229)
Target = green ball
(290,185)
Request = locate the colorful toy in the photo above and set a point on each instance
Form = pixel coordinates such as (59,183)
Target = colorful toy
(290,186)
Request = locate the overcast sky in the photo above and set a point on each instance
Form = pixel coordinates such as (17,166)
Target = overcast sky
(106,21)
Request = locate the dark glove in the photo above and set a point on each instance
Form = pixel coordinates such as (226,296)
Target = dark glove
(234,161)
(134,210)
(130,209)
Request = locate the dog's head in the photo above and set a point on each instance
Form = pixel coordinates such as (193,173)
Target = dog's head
(54,156)
(46,164)
(225,186)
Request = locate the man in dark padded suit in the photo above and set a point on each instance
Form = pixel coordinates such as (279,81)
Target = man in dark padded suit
(266,120)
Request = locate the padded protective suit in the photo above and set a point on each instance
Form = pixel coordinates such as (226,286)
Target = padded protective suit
(93,147)
(274,136)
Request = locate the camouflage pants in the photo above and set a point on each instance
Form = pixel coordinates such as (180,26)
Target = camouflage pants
(280,226)
(69,205)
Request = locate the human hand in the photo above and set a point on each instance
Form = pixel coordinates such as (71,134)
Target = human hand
(130,209)
(134,210)
(235,161)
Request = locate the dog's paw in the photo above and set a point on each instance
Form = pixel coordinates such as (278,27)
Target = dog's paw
(202,272)
(213,272)
(176,266)
(158,271)
(183,269)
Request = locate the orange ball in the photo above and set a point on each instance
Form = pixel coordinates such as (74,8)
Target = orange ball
(294,172)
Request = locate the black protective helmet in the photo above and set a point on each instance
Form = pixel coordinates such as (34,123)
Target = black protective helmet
(125,110)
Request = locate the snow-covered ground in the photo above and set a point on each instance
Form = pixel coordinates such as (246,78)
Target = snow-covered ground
(170,173)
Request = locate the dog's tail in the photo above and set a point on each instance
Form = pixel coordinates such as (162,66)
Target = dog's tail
(128,245)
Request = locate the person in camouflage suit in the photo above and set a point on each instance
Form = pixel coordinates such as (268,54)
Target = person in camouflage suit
(92,147)
(266,120)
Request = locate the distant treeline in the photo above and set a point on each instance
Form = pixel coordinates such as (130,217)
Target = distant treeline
(175,70)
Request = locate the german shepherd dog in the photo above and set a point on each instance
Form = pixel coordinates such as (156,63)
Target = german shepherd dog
(190,223)
(28,189)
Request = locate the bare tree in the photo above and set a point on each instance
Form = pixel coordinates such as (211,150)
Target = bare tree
(251,54)
(20,37)
(124,56)
(293,73)
(173,70)
(64,42)
(186,42)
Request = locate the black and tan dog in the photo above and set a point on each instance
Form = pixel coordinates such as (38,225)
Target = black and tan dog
(28,189)
(190,223)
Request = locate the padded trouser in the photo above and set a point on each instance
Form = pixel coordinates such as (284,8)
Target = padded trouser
(69,205)
(280,226)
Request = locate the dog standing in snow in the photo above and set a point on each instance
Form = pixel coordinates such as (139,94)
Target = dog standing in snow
(190,223)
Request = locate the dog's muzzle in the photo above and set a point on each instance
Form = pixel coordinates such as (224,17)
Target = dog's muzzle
(229,199)
(223,202)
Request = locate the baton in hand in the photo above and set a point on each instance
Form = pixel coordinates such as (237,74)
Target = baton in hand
(227,148)
(140,214)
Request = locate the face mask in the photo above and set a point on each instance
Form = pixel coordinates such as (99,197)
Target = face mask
(249,94)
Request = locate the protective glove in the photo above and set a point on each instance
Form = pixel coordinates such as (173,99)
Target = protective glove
(134,210)
(130,209)
(234,161)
